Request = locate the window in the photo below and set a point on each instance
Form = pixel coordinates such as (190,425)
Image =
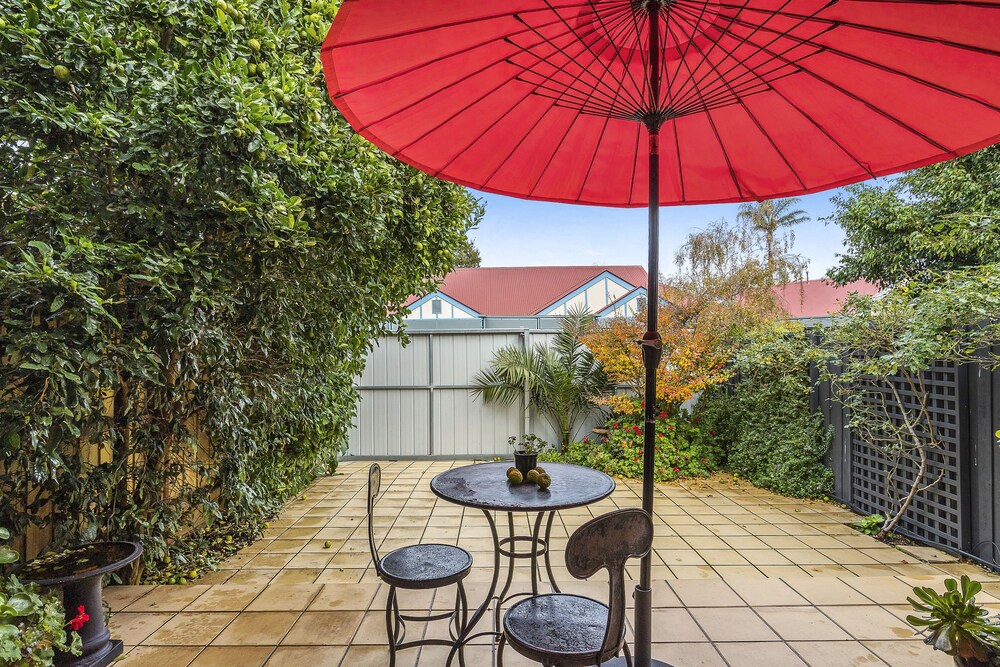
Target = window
(435,306)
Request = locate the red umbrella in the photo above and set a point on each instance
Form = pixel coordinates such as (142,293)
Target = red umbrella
(649,102)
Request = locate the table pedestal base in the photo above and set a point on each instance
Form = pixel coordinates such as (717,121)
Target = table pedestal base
(102,658)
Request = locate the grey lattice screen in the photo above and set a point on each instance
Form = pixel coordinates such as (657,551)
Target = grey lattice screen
(935,515)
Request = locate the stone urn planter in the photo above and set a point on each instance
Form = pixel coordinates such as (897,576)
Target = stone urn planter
(79,572)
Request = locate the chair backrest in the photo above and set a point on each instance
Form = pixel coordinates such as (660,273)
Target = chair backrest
(374,485)
(605,543)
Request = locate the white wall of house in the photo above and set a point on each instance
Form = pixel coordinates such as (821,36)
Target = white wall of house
(594,297)
(433,307)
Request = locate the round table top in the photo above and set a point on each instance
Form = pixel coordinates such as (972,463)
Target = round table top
(79,563)
(484,486)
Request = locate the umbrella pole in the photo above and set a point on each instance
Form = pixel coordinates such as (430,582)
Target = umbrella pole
(651,346)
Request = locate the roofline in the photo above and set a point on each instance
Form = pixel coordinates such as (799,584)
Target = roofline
(573,291)
(444,297)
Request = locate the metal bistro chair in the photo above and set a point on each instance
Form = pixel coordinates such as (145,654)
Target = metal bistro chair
(561,630)
(418,567)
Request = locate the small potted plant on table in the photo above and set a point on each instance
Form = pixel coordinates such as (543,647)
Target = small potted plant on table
(955,625)
(526,451)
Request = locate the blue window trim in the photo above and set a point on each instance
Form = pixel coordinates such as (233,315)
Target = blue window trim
(638,292)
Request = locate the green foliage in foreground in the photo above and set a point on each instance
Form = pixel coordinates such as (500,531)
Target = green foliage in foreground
(955,624)
(763,417)
(684,448)
(31,625)
(195,254)
(938,218)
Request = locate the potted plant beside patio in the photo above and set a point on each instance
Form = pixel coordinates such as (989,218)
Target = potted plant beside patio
(954,624)
(526,451)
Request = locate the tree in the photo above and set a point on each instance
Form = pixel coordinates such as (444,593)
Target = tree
(769,218)
(693,359)
(928,221)
(466,254)
(197,252)
(881,354)
(720,269)
(562,380)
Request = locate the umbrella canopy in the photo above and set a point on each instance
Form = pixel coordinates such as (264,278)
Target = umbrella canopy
(643,102)
(758,98)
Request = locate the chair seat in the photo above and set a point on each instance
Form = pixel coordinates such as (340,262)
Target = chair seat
(561,629)
(422,566)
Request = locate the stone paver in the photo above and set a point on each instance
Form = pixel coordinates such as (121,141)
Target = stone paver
(741,577)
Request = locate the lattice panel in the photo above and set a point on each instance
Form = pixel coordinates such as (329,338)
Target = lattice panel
(935,514)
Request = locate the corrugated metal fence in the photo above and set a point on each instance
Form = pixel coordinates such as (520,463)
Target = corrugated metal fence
(417,400)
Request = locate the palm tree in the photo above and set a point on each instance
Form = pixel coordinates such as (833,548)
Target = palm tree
(768,217)
(561,379)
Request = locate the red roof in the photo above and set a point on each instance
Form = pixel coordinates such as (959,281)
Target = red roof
(818,298)
(525,290)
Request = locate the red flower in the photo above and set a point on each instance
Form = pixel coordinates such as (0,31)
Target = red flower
(604,441)
(662,415)
(640,452)
(704,460)
(636,459)
(585,439)
(711,432)
(644,404)
(617,424)
(671,428)
(676,469)
(81,617)
(636,430)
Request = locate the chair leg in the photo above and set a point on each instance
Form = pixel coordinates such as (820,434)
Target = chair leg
(500,645)
(628,655)
(390,625)
(463,605)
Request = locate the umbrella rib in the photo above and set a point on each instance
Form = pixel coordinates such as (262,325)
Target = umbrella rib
(593,159)
(825,132)
(687,46)
(428,96)
(872,107)
(722,146)
(871,28)
(885,68)
(454,24)
(607,32)
(409,70)
(524,137)
(677,149)
(729,53)
(760,127)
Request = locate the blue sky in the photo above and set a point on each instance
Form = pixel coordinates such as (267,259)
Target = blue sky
(517,232)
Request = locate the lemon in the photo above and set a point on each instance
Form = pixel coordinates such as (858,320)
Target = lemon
(327,544)
(254,45)
(61,72)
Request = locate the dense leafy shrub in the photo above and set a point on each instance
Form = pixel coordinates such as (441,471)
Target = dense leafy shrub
(196,252)
(771,437)
(684,448)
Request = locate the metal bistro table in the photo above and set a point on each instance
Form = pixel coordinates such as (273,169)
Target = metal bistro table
(484,486)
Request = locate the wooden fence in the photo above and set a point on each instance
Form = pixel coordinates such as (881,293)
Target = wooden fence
(962,512)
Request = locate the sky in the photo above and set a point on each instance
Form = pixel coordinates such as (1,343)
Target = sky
(517,232)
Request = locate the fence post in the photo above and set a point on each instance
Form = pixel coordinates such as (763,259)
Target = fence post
(430,394)
(963,389)
(525,408)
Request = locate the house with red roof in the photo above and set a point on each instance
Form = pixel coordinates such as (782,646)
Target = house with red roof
(817,299)
(532,291)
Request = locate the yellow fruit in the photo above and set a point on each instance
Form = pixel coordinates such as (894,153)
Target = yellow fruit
(193,574)
(61,72)
(544,481)
(533,476)
(511,469)
(327,544)
(515,477)
(540,470)
(254,45)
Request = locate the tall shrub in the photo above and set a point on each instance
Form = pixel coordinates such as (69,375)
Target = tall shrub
(764,416)
(196,253)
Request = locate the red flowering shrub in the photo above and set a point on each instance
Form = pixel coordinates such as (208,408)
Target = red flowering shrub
(683,449)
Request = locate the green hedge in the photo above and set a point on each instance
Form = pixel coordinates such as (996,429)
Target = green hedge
(193,242)
(772,438)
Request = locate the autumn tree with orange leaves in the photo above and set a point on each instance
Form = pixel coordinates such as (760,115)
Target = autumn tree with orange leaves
(693,358)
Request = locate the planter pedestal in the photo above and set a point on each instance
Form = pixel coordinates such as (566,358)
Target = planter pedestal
(79,572)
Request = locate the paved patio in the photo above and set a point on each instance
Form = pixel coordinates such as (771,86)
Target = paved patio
(743,577)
